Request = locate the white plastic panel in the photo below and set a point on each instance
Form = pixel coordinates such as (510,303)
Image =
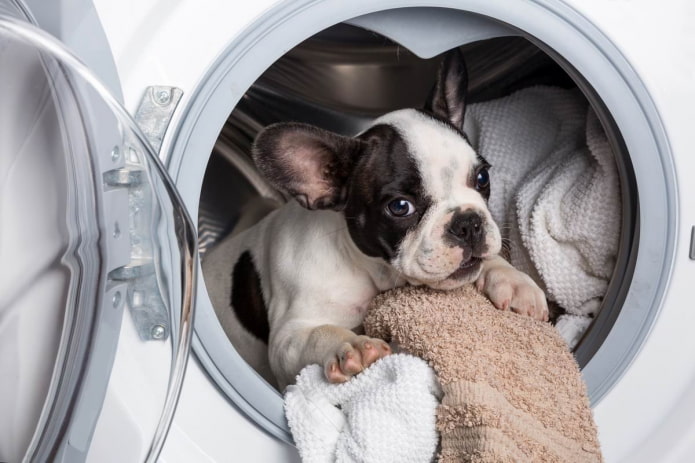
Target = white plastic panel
(442,30)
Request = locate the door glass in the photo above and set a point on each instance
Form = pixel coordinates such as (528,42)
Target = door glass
(98,266)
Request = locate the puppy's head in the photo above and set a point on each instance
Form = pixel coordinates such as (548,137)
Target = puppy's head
(411,187)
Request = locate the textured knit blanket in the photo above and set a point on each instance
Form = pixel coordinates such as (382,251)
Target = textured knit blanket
(512,389)
(555,194)
(384,414)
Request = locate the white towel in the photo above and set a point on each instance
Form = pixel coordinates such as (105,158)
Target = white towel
(384,414)
(555,194)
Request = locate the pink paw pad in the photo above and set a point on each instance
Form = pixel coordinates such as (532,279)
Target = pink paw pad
(353,357)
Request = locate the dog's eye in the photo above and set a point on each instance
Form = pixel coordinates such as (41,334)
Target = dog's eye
(482,179)
(400,207)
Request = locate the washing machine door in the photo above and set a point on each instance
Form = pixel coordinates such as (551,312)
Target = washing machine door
(98,265)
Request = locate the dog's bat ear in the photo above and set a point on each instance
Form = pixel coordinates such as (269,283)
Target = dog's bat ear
(307,162)
(448,98)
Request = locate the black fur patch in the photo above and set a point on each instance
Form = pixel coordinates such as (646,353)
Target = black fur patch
(247,298)
(448,98)
(386,171)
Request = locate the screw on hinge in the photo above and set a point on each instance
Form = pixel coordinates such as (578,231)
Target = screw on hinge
(162,97)
(158,332)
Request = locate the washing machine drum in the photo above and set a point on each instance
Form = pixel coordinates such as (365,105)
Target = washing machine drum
(322,81)
(98,257)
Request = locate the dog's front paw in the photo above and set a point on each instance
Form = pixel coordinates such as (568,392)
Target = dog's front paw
(510,289)
(354,356)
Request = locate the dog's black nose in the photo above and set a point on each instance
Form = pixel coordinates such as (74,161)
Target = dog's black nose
(466,228)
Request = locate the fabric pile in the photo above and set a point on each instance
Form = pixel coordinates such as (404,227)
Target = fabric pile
(555,194)
(512,391)
(384,414)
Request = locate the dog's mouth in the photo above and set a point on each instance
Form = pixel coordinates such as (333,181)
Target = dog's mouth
(466,268)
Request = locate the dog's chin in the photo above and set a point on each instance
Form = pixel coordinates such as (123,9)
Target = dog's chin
(467,272)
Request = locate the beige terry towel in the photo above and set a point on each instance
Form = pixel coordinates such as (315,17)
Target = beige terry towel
(512,390)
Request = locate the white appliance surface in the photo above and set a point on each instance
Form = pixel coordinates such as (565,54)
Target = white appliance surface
(650,414)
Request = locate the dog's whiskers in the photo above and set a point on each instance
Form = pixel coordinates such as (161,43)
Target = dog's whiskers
(506,250)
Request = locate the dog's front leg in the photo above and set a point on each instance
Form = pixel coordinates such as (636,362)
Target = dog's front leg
(509,288)
(340,351)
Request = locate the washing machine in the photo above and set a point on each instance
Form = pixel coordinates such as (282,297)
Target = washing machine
(125,130)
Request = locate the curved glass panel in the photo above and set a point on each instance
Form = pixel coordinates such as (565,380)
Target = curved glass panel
(96,294)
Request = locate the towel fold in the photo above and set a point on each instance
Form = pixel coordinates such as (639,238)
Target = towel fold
(512,391)
(555,193)
(384,414)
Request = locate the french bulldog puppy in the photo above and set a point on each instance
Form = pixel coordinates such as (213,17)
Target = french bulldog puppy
(404,202)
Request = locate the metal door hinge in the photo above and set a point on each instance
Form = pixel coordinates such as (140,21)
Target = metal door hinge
(155,112)
(144,293)
(144,289)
